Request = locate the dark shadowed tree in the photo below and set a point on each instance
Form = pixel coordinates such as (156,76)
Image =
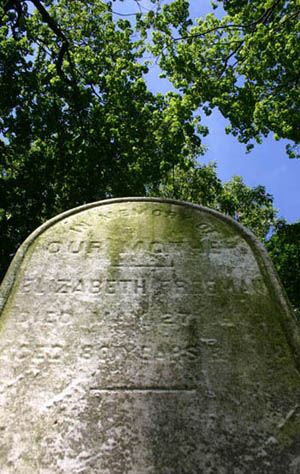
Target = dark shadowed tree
(77,121)
(284,249)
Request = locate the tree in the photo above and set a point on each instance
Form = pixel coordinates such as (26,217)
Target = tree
(252,207)
(284,249)
(77,122)
(246,64)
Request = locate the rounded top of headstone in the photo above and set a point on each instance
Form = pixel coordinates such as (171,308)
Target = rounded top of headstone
(145,335)
(111,204)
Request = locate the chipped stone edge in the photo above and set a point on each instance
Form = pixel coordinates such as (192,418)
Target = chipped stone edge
(271,278)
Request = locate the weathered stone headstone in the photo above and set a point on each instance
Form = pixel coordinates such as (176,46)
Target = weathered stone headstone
(142,336)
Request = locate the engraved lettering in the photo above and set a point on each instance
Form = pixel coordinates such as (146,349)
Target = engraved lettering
(157,212)
(179,285)
(94,245)
(140,244)
(140,286)
(172,214)
(216,246)
(111,286)
(176,243)
(208,342)
(53,316)
(192,352)
(165,284)
(211,287)
(167,319)
(95,286)
(160,356)
(197,287)
(156,247)
(228,285)
(54,247)
(65,316)
(24,351)
(125,286)
(102,354)
(186,216)
(124,212)
(204,228)
(39,287)
(27,285)
(139,210)
(51,353)
(145,353)
(106,215)
(55,351)
(80,227)
(63,286)
(159,246)
(232,242)
(121,354)
(75,247)
(78,287)
(87,351)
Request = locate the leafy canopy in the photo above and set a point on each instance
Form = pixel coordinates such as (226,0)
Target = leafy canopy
(77,121)
(252,207)
(245,63)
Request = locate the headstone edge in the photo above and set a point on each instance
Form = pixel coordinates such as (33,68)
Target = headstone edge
(263,259)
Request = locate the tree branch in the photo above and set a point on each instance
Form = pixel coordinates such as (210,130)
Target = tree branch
(229,57)
(49,20)
(262,19)
(17,7)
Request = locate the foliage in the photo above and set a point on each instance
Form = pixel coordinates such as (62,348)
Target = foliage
(76,118)
(78,123)
(284,249)
(246,63)
(252,207)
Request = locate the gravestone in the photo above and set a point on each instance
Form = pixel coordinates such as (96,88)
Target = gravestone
(142,336)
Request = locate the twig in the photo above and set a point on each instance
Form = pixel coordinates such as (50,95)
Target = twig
(232,26)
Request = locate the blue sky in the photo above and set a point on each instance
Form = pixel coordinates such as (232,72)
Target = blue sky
(267,164)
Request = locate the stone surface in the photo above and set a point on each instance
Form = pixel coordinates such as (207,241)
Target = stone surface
(147,337)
